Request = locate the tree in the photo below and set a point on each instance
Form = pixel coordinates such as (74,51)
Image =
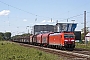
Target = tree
(7,35)
(1,36)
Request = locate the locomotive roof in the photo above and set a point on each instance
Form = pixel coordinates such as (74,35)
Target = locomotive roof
(61,33)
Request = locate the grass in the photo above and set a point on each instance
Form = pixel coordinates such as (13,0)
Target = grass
(83,46)
(13,51)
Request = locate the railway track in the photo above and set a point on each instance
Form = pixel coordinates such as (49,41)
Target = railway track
(70,55)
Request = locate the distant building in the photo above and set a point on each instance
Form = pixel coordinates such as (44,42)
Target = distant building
(65,27)
(87,37)
(42,29)
(59,27)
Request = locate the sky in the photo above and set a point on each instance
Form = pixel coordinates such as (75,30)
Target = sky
(17,16)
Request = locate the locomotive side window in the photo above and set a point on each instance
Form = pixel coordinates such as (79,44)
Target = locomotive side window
(69,36)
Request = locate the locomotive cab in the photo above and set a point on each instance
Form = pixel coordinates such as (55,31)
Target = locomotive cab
(69,40)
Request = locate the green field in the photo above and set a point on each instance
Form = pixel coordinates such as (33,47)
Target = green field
(83,46)
(13,51)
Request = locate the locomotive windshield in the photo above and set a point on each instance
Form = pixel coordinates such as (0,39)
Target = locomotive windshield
(69,36)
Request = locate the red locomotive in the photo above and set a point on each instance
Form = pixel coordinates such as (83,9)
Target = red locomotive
(62,40)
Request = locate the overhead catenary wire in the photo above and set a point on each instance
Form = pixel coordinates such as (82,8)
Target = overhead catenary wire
(23,10)
(38,15)
(88,12)
(72,17)
(16,8)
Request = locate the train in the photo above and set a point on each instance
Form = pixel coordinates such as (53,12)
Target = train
(59,40)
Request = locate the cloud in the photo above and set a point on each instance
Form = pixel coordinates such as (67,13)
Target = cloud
(43,21)
(50,21)
(4,12)
(25,20)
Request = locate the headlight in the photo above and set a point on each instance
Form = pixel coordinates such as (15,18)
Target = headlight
(65,40)
(72,40)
